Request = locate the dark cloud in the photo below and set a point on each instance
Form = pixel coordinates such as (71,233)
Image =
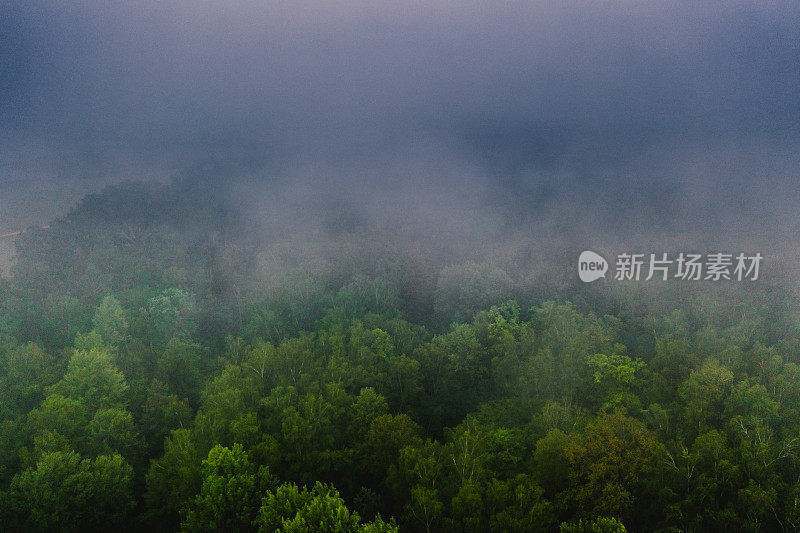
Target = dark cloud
(665,107)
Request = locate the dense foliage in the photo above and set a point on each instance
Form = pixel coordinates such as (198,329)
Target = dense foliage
(161,368)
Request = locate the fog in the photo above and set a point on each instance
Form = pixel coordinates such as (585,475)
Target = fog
(469,124)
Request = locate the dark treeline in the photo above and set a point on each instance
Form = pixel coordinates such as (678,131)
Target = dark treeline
(167,363)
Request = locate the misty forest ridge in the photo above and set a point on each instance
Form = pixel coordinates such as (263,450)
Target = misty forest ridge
(316,266)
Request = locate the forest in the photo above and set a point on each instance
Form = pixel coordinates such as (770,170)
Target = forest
(165,367)
(315,266)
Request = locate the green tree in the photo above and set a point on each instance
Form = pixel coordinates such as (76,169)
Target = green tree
(704,394)
(320,509)
(66,493)
(173,479)
(172,314)
(230,495)
(598,525)
(93,379)
(610,467)
(113,430)
(179,368)
(387,435)
(59,423)
(29,370)
(110,321)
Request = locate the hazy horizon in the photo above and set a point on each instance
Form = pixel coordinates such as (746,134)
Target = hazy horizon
(679,117)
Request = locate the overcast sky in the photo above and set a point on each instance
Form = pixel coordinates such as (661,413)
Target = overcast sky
(617,97)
